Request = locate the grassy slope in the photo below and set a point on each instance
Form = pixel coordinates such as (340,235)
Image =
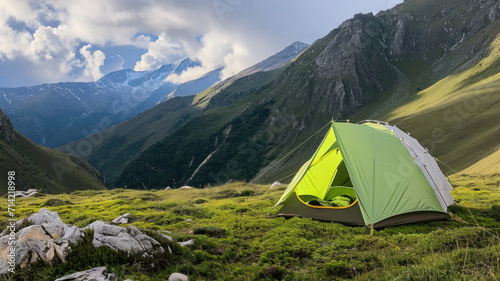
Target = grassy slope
(459,113)
(486,166)
(254,247)
(454,117)
(40,167)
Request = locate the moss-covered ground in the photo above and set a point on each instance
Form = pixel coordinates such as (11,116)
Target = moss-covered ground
(234,240)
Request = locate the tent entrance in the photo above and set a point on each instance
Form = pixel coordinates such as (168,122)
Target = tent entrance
(330,185)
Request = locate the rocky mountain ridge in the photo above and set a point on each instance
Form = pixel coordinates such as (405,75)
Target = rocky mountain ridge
(55,114)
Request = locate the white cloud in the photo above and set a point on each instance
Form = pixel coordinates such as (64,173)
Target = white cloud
(48,34)
(161,51)
(92,63)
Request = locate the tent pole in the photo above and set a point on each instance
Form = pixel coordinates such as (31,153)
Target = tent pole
(371,230)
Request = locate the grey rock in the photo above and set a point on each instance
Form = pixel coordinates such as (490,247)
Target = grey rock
(123,219)
(133,230)
(189,220)
(72,235)
(186,243)
(276,184)
(45,240)
(167,237)
(94,274)
(45,216)
(178,277)
(17,226)
(28,193)
(128,240)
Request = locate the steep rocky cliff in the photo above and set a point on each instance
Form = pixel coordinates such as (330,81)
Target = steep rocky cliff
(6,128)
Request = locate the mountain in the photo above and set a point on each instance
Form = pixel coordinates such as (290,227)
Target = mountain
(55,114)
(277,60)
(112,149)
(431,67)
(40,167)
(194,87)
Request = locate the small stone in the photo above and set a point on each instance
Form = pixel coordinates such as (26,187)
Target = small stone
(123,219)
(186,243)
(178,277)
(276,184)
(94,274)
(189,220)
(167,237)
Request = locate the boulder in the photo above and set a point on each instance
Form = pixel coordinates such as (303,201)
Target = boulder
(47,238)
(177,277)
(45,216)
(129,240)
(123,219)
(186,187)
(94,274)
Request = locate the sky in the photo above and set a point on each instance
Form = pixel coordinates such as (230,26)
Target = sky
(48,41)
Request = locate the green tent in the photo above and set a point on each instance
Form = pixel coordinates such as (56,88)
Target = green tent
(371,174)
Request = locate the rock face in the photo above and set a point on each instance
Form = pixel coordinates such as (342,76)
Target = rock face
(6,128)
(129,240)
(94,274)
(49,237)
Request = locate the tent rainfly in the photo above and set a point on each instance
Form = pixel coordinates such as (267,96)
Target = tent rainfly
(370,174)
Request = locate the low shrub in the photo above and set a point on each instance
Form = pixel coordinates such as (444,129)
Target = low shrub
(54,202)
(212,231)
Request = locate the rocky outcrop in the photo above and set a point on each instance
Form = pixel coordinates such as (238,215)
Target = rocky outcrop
(129,240)
(94,274)
(6,128)
(47,238)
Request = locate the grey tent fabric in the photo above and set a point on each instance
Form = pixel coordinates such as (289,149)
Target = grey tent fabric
(428,165)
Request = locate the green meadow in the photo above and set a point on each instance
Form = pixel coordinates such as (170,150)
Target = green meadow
(235,239)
